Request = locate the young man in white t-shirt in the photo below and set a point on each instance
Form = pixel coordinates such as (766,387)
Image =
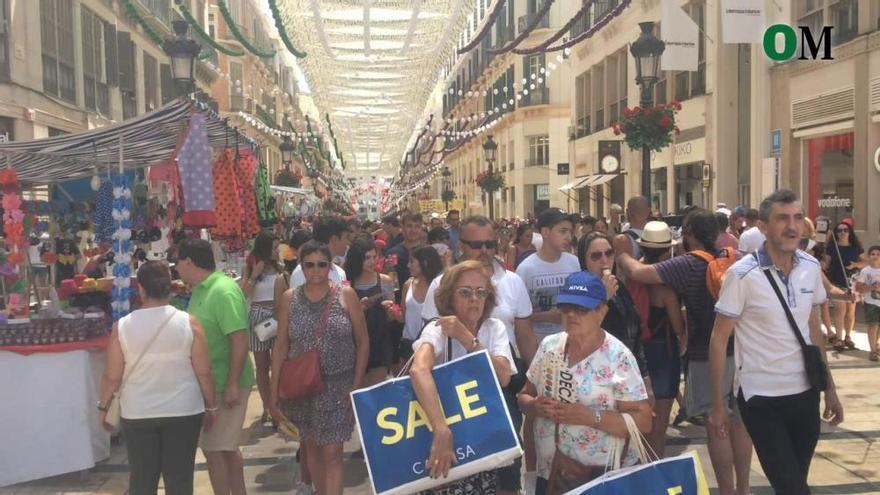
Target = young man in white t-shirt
(868,283)
(545,271)
(778,405)
(752,238)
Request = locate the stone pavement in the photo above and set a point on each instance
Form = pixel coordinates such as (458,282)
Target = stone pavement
(846,461)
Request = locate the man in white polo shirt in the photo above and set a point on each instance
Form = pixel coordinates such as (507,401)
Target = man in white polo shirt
(778,406)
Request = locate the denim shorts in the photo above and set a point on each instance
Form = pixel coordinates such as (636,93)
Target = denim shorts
(664,367)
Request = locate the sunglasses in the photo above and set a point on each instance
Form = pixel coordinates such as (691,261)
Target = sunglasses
(311,265)
(471,293)
(480,244)
(597,255)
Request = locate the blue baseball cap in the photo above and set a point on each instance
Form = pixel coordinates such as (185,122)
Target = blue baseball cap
(582,289)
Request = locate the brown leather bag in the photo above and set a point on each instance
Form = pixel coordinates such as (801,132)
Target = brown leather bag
(300,376)
(567,474)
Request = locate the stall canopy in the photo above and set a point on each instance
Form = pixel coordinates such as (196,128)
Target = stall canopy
(145,140)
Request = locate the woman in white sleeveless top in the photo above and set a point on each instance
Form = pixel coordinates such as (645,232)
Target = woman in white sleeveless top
(158,364)
(425,263)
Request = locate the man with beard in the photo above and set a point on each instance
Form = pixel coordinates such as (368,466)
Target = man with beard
(779,406)
(479,242)
(686,275)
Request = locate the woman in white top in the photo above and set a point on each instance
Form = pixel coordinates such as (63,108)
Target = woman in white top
(167,393)
(261,273)
(465,298)
(424,265)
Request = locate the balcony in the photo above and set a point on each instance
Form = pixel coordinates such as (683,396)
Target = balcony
(537,96)
(538,161)
(525,20)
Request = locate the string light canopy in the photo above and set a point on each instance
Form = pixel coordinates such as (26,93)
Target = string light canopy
(372,66)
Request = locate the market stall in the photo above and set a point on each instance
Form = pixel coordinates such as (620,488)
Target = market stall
(67,266)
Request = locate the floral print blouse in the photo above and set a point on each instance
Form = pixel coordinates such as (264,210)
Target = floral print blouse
(608,375)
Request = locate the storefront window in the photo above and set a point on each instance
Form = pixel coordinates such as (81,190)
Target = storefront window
(830,176)
(618,190)
(689,183)
(659,192)
(542,198)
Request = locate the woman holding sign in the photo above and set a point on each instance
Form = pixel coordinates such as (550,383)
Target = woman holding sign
(580,382)
(330,319)
(465,299)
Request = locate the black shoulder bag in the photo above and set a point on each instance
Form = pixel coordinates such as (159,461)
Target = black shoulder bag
(817,370)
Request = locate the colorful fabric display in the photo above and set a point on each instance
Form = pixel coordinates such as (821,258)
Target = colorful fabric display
(228,198)
(265,199)
(246,168)
(196,169)
(104,213)
(122,247)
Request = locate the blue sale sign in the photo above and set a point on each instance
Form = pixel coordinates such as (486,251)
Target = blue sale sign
(681,475)
(396,435)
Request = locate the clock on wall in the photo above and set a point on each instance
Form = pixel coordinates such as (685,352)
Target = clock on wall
(609,157)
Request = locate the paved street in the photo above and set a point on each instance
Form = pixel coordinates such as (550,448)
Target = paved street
(847,460)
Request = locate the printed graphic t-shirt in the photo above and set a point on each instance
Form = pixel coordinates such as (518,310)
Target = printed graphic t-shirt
(543,280)
(608,375)
(870,276)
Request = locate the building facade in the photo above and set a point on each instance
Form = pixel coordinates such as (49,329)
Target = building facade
(828,114)
(72,65)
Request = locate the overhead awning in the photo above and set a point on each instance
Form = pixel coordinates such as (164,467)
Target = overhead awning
(599,179)
(575,184)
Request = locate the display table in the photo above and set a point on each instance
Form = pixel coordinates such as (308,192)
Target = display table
(48,420)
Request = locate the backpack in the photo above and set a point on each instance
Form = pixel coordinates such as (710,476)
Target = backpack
(718,266)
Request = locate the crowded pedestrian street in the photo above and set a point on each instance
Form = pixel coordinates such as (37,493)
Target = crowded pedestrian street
(439,247)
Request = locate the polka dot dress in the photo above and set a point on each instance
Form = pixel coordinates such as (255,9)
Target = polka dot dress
(227,194)
(194,162)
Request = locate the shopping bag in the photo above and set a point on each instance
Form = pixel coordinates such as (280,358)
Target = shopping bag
(680,475)
(396,438)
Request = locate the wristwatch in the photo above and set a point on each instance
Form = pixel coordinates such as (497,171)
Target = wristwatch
(101,407)
(597,416)
(474,344)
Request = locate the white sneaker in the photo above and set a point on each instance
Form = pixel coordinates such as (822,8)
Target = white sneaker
(303,489)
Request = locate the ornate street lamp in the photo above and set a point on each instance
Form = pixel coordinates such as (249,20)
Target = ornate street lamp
(490,148)
(286,148)
(647,50)
(183,52)
(446,173)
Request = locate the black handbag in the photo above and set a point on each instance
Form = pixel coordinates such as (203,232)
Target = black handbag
(817,369)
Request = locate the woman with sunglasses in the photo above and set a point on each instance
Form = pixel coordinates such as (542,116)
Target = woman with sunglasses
(465,298)
(579,384)
(325,420)
(843,258)
(622,319)
(376,293)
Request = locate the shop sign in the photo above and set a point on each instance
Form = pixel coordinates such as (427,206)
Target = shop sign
(835,202)
(776,142)
(682,153)
(542,192)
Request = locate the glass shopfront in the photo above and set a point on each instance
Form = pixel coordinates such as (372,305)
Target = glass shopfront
(659,191)
(830,172)
(689,185)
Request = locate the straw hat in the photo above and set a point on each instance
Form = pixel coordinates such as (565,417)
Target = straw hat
(656,235)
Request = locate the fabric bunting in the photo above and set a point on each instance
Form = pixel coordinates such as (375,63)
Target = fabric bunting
(122,247)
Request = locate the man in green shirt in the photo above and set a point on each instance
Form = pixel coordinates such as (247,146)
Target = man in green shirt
(220,306)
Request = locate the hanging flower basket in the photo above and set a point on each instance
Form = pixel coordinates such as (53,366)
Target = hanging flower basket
(650,127)
(447,195)
(490,182)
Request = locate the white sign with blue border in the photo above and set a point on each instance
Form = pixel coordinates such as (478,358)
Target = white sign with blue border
(396,435)
(776,141)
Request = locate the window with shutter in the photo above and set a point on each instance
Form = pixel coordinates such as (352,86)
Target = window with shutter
(110,54)
(95,88)
(151,82)
(125,54)
(167,83)
(56,35)
(4,40)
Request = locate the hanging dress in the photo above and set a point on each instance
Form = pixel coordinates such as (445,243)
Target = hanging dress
(194,164)
(265,199)
(228,200)
(246,168)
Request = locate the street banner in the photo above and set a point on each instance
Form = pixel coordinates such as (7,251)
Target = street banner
(681,475)
(743,21)
(682,37)
(396,436)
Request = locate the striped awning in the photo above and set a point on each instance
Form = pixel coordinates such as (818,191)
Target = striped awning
(144,140)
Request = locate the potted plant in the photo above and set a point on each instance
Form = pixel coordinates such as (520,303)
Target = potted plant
(650,127)
(490,182)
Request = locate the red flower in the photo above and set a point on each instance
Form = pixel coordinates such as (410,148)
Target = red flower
(665,122)
(675,104)
(628,112)
(16,258)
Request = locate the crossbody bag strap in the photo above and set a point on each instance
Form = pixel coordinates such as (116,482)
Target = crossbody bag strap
(326,314)
(147,348)
(791,322)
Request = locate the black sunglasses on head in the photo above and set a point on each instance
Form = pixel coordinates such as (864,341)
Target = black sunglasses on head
(480,244)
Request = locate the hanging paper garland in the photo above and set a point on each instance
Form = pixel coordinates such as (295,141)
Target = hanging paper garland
(132,12)
(122,247)
(230,22)
(282,31)
(194,24)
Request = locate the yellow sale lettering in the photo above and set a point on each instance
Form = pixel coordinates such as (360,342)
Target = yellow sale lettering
(416,416)
(676,490)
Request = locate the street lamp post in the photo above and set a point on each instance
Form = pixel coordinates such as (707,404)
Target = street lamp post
(490,148)
(286,148)
(446,173)
(183,52)
(647,50)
